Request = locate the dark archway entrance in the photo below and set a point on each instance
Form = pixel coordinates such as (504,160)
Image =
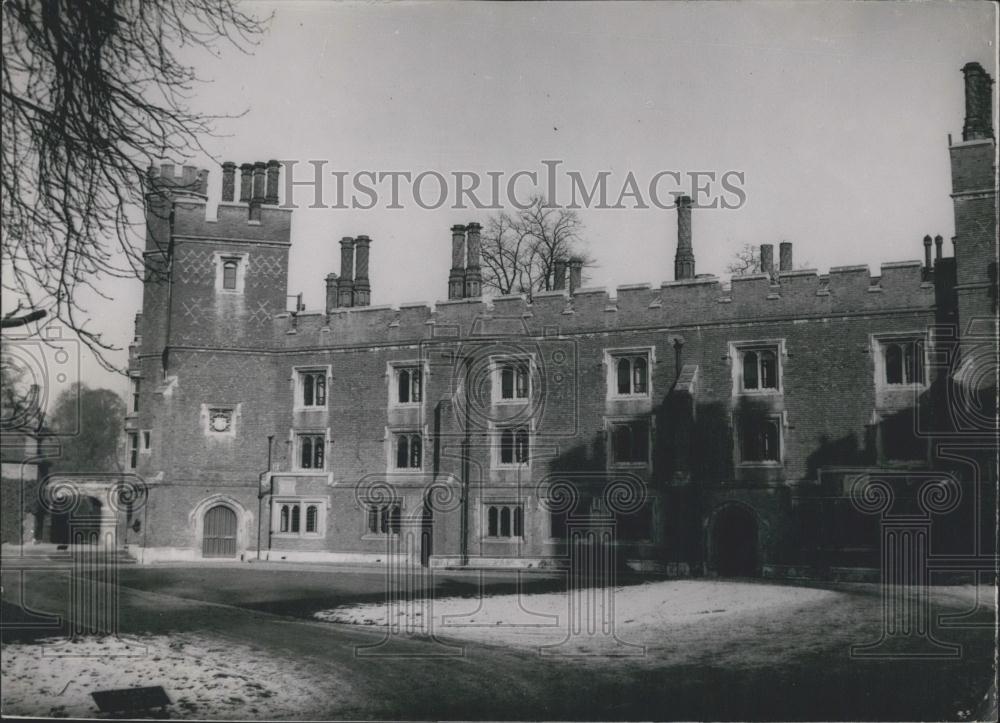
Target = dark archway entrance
(82,526)
(219,537)
(734,541)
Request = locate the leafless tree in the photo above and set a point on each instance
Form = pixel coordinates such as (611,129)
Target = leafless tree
(93,94)
(520,249)
(746,261)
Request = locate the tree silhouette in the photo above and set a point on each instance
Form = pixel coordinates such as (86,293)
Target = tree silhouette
(94,93)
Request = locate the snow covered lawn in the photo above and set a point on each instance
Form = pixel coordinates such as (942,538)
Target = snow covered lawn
(204,678)
(642,615)
(748,624)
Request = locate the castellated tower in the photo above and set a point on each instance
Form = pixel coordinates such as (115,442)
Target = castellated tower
(213,282)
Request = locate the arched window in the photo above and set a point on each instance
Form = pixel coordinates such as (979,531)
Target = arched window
(639,379)
(521,446)
(624,376)
(402,451)
(770,442)
(415,451)
(492,527)
(507,446)
(312,514)
(521,382)
(313,388)
(229,274)
(518,522)
(768,370)
(893,364)
(307,452)
(307,389)
(321,390)
(283,519)
(505,521)
(404,386)
(416,384)
(750,380)
(295,518)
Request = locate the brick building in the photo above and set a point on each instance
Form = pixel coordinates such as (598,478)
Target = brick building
(717,429)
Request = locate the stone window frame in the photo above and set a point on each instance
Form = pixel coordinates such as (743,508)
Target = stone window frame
(611,358)
(738,348)
(514,506)
(303,504)
(146,436)
(132,450)
(496,431)
(297,436)
(391,449)
(242,259)
(134,389)
(880,342)
(781,422)
(497,363)
(298,387)
(610,422)
(376,510)
(393,368)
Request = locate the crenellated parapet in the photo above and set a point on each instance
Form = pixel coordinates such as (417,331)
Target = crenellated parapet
(798,294)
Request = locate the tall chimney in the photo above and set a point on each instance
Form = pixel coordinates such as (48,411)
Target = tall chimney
(978,103)
(785,256)
(228,181)
(273,170)
(684,258)
(473,275)
(559,275)
(767,259)
(456,279)
(362,287)
(246,182)
(939,243)
(927,252)
(346,283)
(332,293)
(259,190)
(575,274)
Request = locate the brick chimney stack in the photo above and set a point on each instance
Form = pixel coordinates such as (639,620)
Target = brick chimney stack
(456,279)
(927,252)
(939,243)
(559,275)
(575,274)
(473,275)
(332,292)
(273,172)
(362,287)
(684,258)
(246,182)
(767,259)
(228,181)
(346,283)
(259,189)
(978,103)
(785,256)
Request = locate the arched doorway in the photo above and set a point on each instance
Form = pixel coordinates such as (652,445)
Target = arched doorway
(734,541)
(219,532)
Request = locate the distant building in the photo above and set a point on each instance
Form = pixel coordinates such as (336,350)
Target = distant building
(715,429)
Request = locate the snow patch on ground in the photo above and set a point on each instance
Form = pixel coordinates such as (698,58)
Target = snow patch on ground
(204,678)
(623,620)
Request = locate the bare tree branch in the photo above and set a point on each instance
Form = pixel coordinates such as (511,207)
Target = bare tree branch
(94,93)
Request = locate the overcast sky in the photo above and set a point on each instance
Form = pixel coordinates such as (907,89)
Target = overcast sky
(837,114)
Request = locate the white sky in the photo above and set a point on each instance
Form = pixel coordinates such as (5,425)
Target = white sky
(838,114)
